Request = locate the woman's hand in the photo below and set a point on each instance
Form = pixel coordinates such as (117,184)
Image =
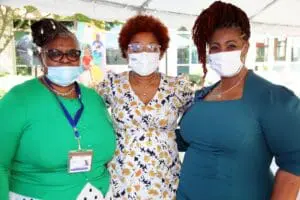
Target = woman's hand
(286,186)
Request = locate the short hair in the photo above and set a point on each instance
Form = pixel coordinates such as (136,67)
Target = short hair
(218,15)
(143,23)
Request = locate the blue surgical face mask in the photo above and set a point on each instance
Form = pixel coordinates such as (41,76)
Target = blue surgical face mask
(63,75)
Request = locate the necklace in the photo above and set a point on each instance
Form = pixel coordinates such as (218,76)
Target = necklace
(220,94)
(144,93)
(63,94)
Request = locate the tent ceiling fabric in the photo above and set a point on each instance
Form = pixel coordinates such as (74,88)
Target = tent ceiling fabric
(267,16)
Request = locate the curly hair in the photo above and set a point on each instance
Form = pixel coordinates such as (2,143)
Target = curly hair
(217,15)
(143,23)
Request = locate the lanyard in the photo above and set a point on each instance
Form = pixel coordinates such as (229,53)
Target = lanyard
(72,121)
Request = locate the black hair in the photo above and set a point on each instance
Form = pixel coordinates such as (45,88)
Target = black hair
(46,30)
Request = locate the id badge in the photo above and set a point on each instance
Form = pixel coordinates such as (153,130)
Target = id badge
(80,161)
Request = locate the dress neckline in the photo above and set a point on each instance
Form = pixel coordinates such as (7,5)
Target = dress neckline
(136,96)
(201,94)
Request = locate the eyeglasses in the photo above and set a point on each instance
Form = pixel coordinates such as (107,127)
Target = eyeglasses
(57,55)
(138,47)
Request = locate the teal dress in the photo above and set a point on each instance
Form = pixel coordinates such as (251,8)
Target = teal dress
(232,143)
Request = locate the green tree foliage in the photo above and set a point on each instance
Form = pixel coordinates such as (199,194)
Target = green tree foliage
(19,18)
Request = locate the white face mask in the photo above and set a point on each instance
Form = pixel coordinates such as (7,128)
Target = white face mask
(226,64)
(143,63)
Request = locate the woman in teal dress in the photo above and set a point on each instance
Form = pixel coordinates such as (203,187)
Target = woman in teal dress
(236,127)
(56,135)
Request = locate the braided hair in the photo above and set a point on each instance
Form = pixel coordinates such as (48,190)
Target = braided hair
(46,30)
(217,15)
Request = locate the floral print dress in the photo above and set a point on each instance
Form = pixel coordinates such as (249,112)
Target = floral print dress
(146,163)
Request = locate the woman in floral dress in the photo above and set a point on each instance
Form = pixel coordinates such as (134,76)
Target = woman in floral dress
(145,106)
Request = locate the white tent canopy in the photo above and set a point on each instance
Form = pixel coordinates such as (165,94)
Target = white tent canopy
(279,17)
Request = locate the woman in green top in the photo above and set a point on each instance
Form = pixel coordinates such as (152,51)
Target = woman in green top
(56,136)
(236,127)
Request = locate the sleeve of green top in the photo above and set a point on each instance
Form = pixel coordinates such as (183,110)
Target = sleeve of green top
(102,103)
(281,126)
(12,120)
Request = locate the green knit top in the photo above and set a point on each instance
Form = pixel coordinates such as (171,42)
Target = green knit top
(36,137)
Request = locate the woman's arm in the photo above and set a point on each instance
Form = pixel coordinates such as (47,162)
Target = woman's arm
(181,144)
(184,92)
(286,186)
(106,87)
(12,119)
(281,127)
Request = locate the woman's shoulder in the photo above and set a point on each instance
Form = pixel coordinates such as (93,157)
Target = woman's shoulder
(115,76)
(268,91)
(181,77)
(112,79)
(179,81)
(258,81)
(27,86)
(22,92)
(90,95)
(87,91)
(201,93)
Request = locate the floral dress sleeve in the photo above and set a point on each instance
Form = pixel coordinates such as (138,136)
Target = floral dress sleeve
(185,94)
(106,87)
(184,91)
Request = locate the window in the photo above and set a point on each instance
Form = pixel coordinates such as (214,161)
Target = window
(280,49)
(114,57)
(113,53)
(183,48)
(262,50)
(26,57)
(183,53)
(187,57)
(195,59)
(183,69)
(295,53)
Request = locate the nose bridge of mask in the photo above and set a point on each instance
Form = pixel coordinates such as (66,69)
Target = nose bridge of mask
(226,56)
(65,69)
(137,57)
(144,57)
(234,54)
